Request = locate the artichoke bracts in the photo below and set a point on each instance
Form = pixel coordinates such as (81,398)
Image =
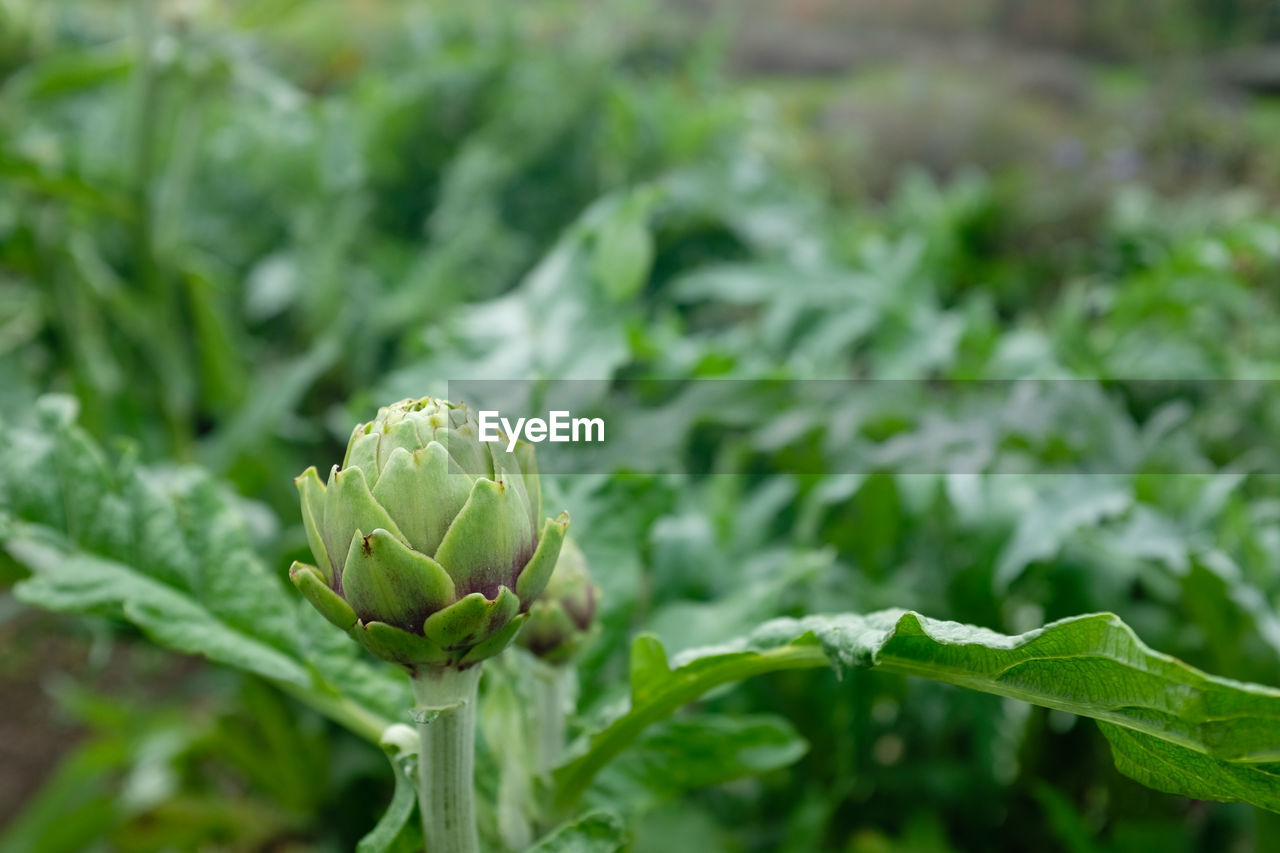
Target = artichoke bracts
(430,544)
(563,619)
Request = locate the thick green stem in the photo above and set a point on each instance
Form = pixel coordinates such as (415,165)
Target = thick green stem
(446,708)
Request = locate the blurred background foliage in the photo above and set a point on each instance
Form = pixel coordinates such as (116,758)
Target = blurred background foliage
(233,229)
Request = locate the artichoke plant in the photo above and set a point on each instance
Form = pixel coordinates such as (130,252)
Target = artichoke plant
(563,619)
(430,545)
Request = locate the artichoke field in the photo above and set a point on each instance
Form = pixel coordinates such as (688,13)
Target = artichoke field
(939,510)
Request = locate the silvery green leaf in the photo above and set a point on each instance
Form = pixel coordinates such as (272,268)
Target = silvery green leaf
(178,565)
(1092,665)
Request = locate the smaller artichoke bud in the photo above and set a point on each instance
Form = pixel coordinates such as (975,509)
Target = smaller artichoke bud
(430,544)
(563,619)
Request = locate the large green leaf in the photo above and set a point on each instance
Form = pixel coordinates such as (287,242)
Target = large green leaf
(67,581)
(1176,769)
(1090,665)
(168,551)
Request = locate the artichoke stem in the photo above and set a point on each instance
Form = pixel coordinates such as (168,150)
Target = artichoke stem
(553,700)
(446,707)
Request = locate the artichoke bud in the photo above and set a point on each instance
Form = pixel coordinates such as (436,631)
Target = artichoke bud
(563,619)
(430,545)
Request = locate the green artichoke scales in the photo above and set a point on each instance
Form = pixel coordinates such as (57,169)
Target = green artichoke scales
(563,620)
(430,544)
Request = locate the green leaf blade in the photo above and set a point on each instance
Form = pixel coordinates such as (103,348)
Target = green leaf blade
(1175,769)
(81,583)
(168,551)
(1091,665)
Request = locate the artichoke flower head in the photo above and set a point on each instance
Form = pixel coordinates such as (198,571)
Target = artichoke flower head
(430,545)
(563,620)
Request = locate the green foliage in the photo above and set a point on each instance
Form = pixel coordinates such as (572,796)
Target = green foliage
(396,823)
(1088,665)
(1169,725)
(230,231)
(169,552)
(1173,767)
(595,832)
